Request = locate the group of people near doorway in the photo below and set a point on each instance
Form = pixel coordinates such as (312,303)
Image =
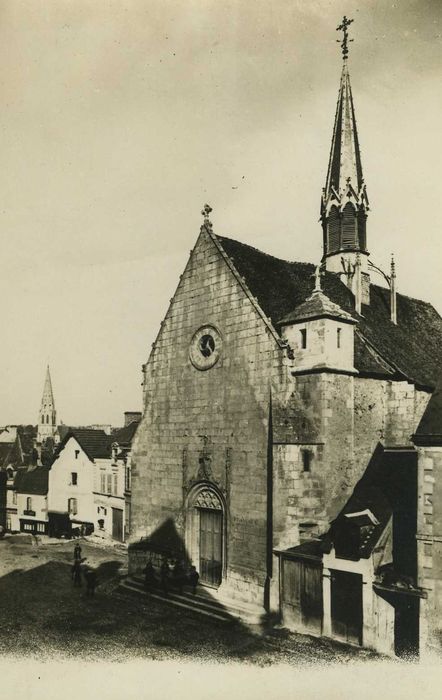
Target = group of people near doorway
(78,569)
(170,576)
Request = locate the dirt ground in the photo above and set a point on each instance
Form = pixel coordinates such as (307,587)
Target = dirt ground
(42,615)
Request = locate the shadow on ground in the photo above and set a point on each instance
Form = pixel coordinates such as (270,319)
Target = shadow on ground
(44,616)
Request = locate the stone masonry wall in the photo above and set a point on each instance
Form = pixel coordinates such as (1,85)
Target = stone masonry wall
(220,415)
(340,419)
(305,502)
(430,546)
(384,411)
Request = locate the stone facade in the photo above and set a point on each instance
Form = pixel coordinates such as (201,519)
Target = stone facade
(281,450)
(212,426)
(430,546)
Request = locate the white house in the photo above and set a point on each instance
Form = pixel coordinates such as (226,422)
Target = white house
(89,483)
(71,480)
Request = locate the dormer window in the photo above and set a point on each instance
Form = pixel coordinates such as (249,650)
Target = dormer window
(303,333)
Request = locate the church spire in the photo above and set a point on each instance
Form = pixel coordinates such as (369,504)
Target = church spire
(344,203)
(47,420)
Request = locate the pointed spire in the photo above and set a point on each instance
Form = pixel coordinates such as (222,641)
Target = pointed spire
(344,203)
(47,420)
(345,168)
(48,395)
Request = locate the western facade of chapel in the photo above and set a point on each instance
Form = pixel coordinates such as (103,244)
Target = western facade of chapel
(276,446)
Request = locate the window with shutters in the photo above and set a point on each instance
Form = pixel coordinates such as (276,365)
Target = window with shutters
(349,226)
(103,483)
(109,484)
(127,478)
(115,484)
(334,230)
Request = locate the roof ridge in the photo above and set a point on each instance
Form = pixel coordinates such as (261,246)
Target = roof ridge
(262,252)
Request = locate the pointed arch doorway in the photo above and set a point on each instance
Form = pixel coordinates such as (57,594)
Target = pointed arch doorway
(205,533)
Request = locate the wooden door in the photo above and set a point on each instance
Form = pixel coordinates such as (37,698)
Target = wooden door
(311,597)
(302,595)
(211,540)
(117,524)
(346,606)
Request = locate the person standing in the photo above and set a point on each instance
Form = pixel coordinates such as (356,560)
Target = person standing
(193,578)
(77,552)
(76,573)
(178,576)
(164,576)
(149,576)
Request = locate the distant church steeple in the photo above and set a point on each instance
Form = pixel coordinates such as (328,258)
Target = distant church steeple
(47,420)
(344,203)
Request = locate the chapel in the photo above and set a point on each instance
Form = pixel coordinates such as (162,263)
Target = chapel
(276,451)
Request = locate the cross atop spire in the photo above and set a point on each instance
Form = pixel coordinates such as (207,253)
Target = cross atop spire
(206,210)
(343,27)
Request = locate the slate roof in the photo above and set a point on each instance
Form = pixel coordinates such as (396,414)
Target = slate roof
(20,452)
(33,481)
(429,430)
(317,305)
(410,349)
(96,443)
(124,436)
(6,449)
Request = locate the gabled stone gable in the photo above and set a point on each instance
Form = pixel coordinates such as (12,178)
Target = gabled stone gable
(213,424)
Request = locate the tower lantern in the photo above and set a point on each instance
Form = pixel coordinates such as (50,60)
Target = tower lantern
(344,203)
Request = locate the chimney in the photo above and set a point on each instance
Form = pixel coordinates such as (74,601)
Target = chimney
(131,416)
(393,309)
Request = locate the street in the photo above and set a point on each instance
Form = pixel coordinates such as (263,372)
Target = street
(43,615)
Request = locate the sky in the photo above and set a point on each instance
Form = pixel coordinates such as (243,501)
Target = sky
(120,120)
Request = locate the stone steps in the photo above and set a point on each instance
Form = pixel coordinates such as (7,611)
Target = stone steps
(206,602)
(194,603)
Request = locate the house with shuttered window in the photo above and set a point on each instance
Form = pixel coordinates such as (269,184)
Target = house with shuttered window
(89,483)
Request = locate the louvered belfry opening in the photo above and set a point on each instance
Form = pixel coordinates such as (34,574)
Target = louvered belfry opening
(349,232)
(362,230)
(334,230)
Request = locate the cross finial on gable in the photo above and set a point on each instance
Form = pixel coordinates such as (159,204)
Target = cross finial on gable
(205,213)
(317,277)
(343,27)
